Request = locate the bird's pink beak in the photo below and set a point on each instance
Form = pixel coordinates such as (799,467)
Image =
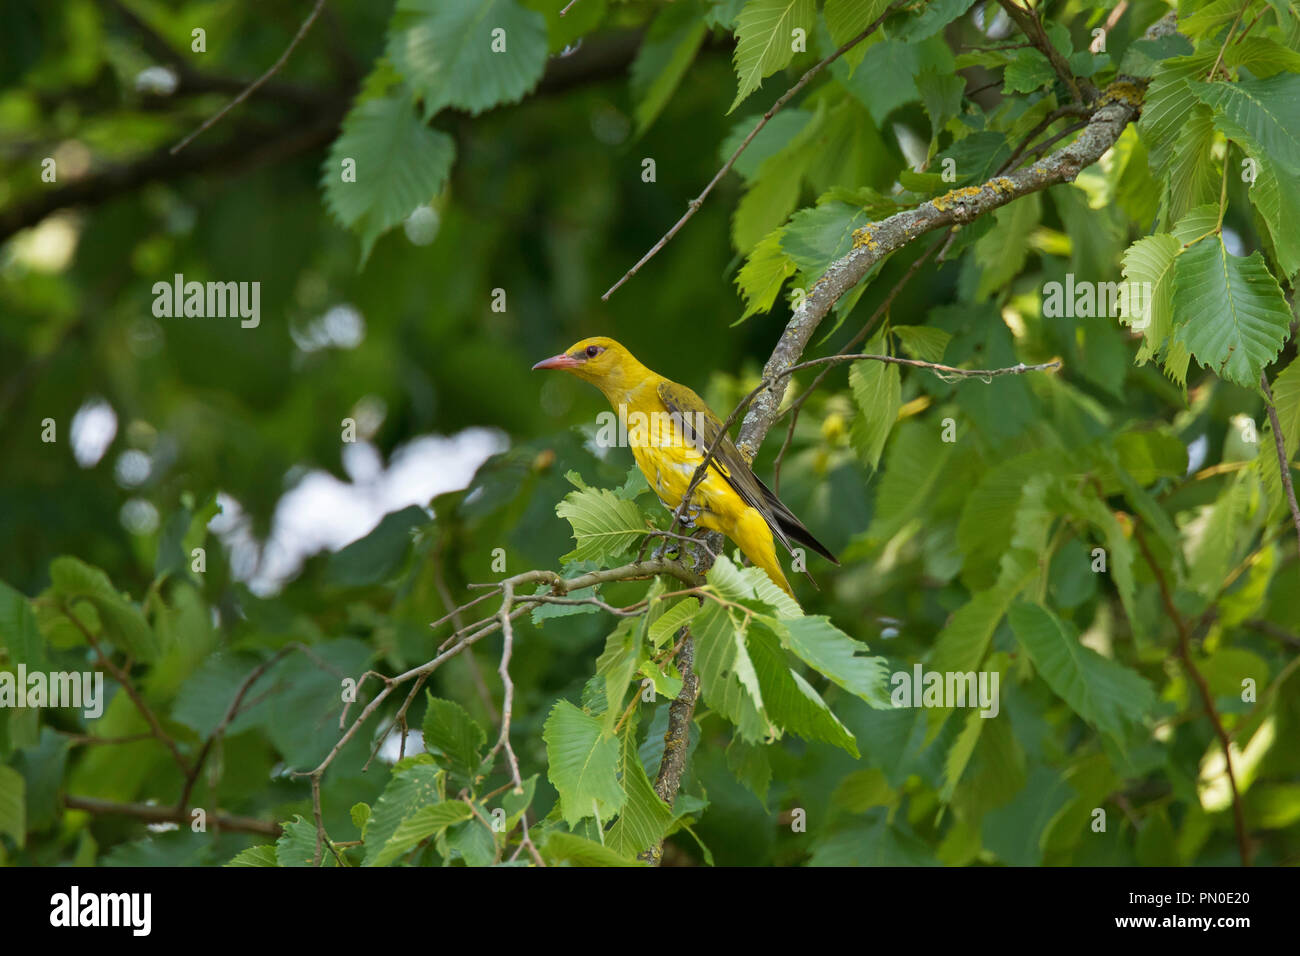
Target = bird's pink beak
(558,361)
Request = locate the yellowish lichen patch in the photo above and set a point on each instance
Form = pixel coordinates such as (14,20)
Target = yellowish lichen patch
(956,197)
(863,237)
(1122,91)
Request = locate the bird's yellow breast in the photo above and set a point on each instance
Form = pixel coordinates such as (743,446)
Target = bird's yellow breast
(669,459)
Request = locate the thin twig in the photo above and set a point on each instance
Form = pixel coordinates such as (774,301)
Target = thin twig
(1282,460)
(694,205)
(156,813)
(252,87)
(1207,697)
(124,680)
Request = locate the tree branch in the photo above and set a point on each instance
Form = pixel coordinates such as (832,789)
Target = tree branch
(877,240)
(1081,90)
(153,813)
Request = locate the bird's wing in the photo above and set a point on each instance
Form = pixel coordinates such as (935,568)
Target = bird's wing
(702,428)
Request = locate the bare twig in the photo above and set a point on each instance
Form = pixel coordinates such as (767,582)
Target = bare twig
(1282,461)
(192,777)
(155,813)
(124,680)
(1207,697)
(252,87)
(1029,24)
(475,672)
(694,205)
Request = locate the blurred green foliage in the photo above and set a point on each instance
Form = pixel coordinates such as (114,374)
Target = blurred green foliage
(974,554)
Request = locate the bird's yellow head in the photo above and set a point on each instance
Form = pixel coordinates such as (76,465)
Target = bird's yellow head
(601,361)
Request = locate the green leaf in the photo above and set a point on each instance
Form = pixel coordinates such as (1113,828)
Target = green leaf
(378,555)
(470,54)
(297,845)
(672,620)
(922,341)
(617,664)
(263,855)
(845,19)
(1002,251)
(582,764)
(829,651)
(792,703)
(1151,260)
(1104,693)
(749,764)
(728,683)
(764,40)
(399,164)
(645,818)
(878,393)
(604,525)
(932,18)
(449,728)
(123,622)
(1168,100)
(665,55)
(1265,111)
(1286,401)
(764,272)
(19,635)
(820,235)
(1231,314)
(1210,537)
(1029,72)
(426,822)
(1194,178)
(13,803)
(561,847)
(941,94)
(410,789)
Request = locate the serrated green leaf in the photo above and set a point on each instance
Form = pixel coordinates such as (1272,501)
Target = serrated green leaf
(764,272)
(922,341)
(764,40)
(416,786)
(1230,313)
(1267,111)
(1106,694)
(582,764)
(264,855)
(878,394)
(666,53)
(123,623)
(829,651)
(450,729)
(604,525)
(426,822)
(470,54)
(561,847)
(399,163)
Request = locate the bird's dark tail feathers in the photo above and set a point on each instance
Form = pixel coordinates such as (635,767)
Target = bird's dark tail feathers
(789,528)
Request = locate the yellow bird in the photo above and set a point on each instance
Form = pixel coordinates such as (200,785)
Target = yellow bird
(670,430)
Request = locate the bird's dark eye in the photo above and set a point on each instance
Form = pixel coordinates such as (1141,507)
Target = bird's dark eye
(593,351)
